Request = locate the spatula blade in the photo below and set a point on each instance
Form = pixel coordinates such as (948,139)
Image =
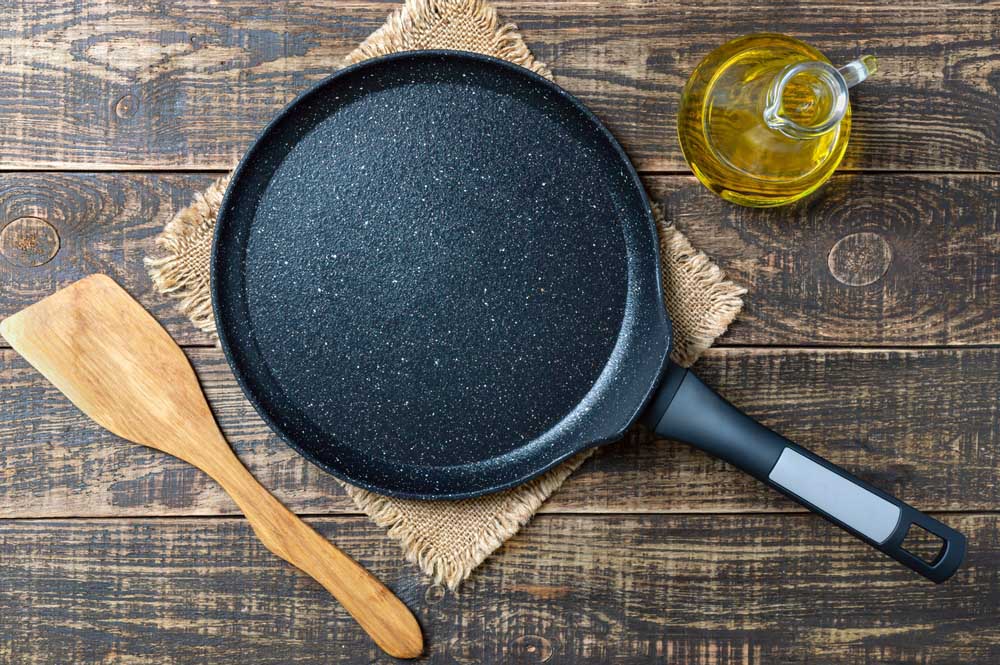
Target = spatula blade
(113,360)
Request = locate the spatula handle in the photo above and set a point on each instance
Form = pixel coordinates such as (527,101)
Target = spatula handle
(379,612)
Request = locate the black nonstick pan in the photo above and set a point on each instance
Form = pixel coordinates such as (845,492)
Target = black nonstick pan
(436,275)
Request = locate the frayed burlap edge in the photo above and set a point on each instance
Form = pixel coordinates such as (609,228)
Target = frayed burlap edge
(411,27)
(182,271)
(685,269)
(515,508)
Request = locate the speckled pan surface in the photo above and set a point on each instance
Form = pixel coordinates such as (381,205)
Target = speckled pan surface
(436,275)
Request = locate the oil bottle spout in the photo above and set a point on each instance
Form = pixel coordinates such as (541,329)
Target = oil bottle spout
(857,71)
(808,99)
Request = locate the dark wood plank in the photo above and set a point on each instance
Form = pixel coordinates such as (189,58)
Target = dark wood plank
(187,84)
(94,223)
(720,590)
(921,424)
(868,260)
(928,247)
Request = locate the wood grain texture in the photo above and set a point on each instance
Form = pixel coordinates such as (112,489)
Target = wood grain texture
(111,358)
(873,259)
(188,84)
(927,262)
(103,223)
(922,425)
(699,590)
(868,260)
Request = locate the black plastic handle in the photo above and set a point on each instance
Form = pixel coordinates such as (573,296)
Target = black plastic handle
(687,410)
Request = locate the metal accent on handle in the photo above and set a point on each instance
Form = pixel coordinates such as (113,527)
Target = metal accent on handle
(865,512)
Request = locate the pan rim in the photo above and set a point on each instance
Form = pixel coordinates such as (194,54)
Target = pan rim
(663,319)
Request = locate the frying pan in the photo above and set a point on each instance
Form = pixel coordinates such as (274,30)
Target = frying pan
(436,275)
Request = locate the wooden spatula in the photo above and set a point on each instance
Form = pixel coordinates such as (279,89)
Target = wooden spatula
(119,366)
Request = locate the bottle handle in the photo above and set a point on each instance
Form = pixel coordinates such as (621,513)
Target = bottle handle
(833,82)
(858,70)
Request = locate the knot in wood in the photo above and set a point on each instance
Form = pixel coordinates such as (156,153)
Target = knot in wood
(126,106)
(860,259)
(531,649)
(29,242)
(435,594)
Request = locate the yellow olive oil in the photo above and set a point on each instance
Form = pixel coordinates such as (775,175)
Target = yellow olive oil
(764,120)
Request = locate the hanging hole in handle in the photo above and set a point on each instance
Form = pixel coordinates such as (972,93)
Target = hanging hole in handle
(921,543)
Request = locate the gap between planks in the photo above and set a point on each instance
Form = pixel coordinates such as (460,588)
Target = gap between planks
(778,514)
(141,169)
(835,348)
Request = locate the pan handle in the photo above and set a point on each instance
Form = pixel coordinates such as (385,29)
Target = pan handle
(687,410)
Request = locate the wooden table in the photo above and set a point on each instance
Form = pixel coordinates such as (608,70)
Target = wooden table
(871,333)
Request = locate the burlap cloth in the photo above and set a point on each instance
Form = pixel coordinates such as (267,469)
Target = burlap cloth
(448,539)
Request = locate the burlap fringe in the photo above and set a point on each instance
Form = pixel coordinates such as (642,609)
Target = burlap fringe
(452,568)
(172,272)
(416,17)
(679,260)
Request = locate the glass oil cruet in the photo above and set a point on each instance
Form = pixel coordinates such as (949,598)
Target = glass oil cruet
(764,119)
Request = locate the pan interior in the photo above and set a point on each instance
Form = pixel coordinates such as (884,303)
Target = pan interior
(435,275)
